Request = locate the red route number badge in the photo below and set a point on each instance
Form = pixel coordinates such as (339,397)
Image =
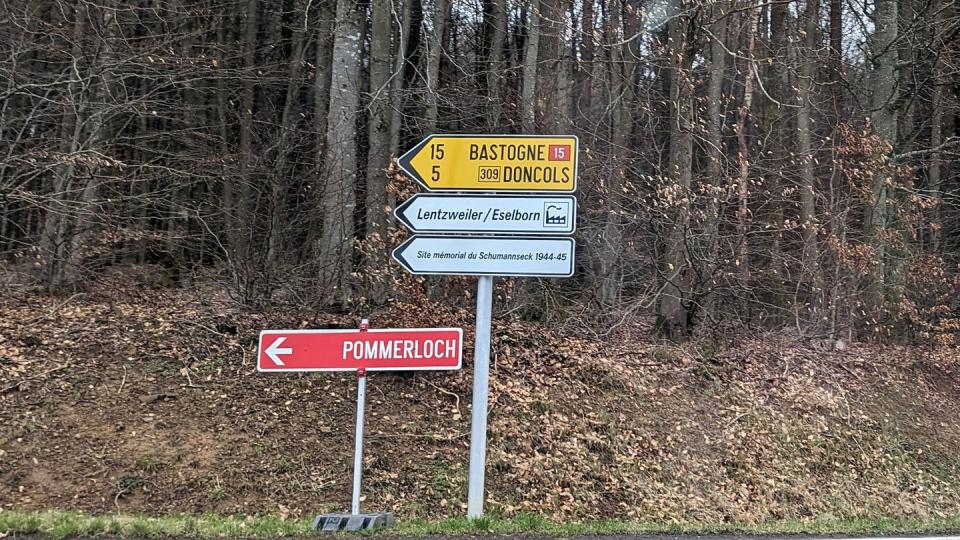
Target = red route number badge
(558,152)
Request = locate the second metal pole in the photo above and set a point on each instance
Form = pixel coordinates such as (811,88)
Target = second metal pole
(481,376)
(358,447)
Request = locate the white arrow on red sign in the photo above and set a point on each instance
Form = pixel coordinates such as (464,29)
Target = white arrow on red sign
(352,349)
(274,352)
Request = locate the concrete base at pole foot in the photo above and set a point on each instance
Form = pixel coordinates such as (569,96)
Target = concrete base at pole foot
(352,522)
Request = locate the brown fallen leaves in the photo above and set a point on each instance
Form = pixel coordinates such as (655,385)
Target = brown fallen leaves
(752,429)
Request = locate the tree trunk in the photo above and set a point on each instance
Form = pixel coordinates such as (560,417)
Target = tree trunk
(936,159)
(378,137)
(810,258)
(836,43)
(247,159)
(907,96)
(96,126)
(396,86)
(940,121)
(340,166)
(321,80)
(550,53)
(621,122)
(495,64)
(378,153)
(743,155)
(883,83)
(53,237)
(280,186)
(323,53)
(528,98)
(714,149)
(586,62)
(441,10)
(228,201)
(783,91)
(564,95)
(673,313)
(65,232)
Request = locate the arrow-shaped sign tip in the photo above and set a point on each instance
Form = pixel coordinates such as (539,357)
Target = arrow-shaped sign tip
(404,162)
(400,212)
(398,254)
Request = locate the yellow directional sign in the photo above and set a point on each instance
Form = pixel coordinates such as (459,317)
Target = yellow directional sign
(494,163)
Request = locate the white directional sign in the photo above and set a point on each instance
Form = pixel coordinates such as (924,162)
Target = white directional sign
(487,256)
(441,213)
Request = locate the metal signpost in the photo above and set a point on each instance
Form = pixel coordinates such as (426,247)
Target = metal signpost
(360,350)
(492,163)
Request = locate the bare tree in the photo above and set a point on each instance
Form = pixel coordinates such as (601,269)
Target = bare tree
(378,152)
(338,199)
(805,152)
(674,303)
(441,12)
(531,53)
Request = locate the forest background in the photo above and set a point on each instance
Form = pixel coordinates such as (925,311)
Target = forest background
(784,164)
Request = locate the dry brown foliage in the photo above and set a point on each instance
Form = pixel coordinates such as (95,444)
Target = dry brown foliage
(149,401)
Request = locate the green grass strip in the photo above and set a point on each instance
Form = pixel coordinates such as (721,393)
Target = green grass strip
(61,524)
(537,525)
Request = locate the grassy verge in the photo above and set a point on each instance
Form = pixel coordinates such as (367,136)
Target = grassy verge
(533,524)
(59,524)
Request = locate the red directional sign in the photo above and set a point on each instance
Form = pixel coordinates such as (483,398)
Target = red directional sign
(405,349)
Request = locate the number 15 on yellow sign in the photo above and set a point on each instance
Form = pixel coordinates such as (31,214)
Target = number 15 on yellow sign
(494,163)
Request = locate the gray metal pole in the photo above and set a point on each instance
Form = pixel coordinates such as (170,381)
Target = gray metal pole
(358,446)
(481,376)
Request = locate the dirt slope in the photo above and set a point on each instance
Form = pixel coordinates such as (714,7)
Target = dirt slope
(150,402)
